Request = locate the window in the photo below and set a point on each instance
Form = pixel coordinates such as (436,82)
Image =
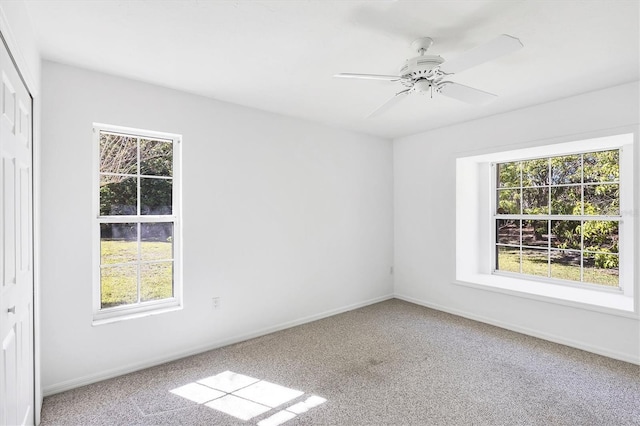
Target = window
(558,217)
(137,227)
(552,222)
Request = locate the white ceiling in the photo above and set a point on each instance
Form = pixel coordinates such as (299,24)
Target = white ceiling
(280,56)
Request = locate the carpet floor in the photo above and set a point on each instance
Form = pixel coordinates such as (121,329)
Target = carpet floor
(392,363)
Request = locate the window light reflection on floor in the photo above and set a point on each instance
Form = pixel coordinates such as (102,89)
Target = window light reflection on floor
(244,397)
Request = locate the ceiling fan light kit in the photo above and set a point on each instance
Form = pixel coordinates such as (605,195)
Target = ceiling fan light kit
(426,73)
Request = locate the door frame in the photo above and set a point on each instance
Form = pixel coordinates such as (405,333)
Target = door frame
(33,87)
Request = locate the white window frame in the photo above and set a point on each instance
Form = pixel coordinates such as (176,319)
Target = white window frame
(551,217)
(475,225)
(139,309)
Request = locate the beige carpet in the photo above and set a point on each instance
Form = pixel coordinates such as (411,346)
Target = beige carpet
(392,363)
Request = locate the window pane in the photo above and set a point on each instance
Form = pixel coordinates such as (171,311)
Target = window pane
(535,262)
(601,269)
(535,201)
(565,265)
(602,199)
(155,196)
(602,166)
(535,172)
(600,235)
(566,169)
(156,158)
(566,200)
(118,243)
(118,285)
(565,234)
(561,187)
(535,233)
(156,241)
(118,154)
(156,281)
(508,201)
(508,259)
(508,231)
(118,195)
(509,175)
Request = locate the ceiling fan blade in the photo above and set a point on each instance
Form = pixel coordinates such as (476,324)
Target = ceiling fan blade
(391,102)
(466,94)
(497,47)
(369,76)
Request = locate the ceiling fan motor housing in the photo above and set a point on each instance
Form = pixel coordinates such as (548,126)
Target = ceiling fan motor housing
(420,67)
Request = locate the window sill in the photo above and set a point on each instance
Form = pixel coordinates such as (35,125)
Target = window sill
(123,316)
(610,303)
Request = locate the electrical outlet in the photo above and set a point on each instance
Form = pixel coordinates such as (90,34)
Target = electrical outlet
(216,303)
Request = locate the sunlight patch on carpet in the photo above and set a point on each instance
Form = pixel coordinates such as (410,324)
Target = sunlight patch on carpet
(245,397)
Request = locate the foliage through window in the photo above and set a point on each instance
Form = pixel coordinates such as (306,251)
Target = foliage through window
(137,218)
(558,217)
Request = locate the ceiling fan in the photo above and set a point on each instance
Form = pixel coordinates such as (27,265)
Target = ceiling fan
(426,73)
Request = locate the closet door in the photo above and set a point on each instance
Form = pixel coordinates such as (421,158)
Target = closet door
(16,247)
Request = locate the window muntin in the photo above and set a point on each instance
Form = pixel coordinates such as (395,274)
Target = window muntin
(558,218)
(137,221)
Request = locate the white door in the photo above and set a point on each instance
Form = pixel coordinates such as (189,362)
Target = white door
(16,254)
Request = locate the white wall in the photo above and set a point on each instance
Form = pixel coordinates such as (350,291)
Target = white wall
(285,220)
(15,25)
(424,216)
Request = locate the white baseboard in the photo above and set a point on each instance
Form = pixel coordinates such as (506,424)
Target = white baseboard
(528,331)
(109,374)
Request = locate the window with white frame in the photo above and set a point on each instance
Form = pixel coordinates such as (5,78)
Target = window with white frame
(558,217)
(137,222)
(552,222)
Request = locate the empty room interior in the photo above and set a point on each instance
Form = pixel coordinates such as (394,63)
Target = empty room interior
(320,212)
